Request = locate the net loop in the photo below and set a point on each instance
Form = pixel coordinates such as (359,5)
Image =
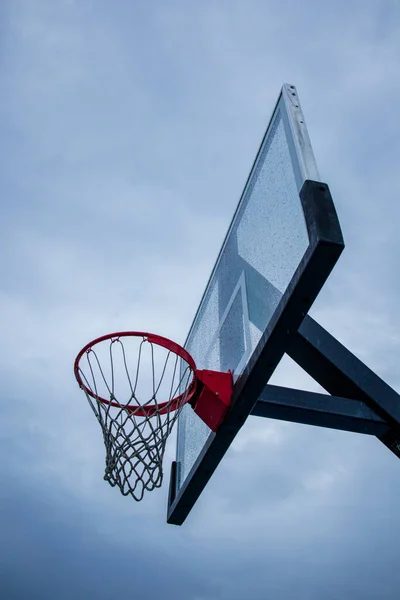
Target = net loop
(136,384)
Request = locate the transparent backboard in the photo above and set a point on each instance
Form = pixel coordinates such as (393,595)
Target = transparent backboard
(264,246)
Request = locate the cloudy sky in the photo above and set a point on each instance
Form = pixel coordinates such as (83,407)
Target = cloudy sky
(127,132)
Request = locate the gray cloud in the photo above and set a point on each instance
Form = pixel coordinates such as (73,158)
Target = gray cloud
(127,135)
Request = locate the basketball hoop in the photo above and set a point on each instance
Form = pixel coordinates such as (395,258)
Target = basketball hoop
(123,376)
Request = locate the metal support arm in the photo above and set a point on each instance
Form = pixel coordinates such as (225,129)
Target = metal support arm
(322,410)
(343,375)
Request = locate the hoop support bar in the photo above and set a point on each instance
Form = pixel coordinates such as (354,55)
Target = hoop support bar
(212,398)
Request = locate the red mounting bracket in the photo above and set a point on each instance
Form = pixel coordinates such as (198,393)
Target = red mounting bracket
(213,396)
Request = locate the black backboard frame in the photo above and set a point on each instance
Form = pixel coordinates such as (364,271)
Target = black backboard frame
(325,246)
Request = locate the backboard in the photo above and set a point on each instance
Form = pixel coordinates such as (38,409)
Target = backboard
(282,243)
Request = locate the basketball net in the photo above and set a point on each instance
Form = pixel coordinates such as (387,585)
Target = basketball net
(136,384)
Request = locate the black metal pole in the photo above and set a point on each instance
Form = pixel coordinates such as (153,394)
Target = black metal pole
(321,410)
(342,374)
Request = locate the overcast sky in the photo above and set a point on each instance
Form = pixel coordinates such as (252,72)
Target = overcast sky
(128,129)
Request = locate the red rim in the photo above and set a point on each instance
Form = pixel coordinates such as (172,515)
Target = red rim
(141,411)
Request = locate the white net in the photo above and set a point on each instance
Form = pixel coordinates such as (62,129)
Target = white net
(136,389)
